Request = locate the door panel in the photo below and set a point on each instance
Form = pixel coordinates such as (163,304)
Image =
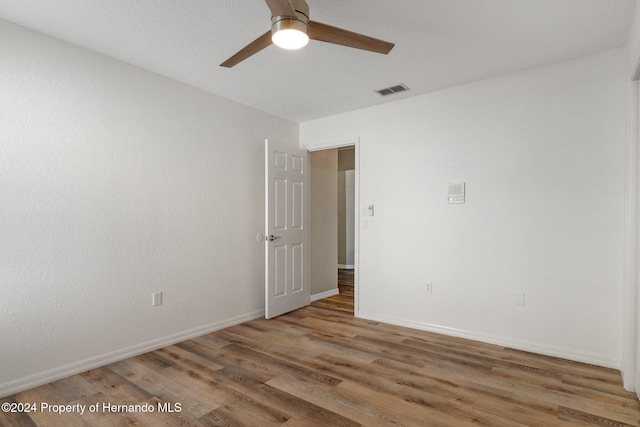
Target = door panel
(297,267)
(297,205)
(280,200)
(286,206)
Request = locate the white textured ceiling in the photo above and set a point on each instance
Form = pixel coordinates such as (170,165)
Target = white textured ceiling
(439,43)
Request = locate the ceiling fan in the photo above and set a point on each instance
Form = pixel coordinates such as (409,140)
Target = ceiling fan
(291,28)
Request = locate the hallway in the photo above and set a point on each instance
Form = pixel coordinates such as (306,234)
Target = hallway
(344,301)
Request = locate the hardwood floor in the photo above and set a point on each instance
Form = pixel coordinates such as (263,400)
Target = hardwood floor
(342,302)
(320,366)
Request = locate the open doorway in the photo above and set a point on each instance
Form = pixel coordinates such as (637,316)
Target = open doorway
(346,208)
(333,228)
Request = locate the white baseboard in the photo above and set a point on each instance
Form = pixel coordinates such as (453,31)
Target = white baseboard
(325,294)
(532,347)
(346,266)
(45,377)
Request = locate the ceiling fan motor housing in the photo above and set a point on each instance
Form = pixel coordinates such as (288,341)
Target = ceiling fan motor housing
(298,22)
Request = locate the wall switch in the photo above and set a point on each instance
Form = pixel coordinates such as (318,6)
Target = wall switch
(519,298)
(456,192)
(428,288)
(157,298)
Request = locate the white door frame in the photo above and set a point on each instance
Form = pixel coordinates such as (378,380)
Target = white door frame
(353,142)
(630,363)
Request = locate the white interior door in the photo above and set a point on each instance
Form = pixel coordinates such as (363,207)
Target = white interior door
(287,278)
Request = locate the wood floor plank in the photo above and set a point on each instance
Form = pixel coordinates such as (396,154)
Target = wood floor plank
(112,385)
(585,418)
(297,408)
(164,388)
(345,406)
(259,366)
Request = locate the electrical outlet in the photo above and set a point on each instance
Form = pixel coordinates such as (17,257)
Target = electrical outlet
(156,299)
(428,288)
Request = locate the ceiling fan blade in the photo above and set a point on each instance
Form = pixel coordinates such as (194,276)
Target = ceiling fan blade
(251,49)
(281,8)
(335,35)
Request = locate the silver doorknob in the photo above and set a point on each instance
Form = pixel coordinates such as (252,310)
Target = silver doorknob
(271,238)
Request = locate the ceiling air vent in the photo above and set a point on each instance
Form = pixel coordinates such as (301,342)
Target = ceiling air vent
(392,89)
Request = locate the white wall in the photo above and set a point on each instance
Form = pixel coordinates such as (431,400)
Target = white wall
(324,221)
(542,154)
(349,213)
(342,220)
(115,183)
(346,218)
(346,207)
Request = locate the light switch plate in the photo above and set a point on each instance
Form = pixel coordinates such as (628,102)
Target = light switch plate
(455,193)
(156,299)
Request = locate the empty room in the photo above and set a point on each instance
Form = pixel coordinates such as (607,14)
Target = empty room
(173,212)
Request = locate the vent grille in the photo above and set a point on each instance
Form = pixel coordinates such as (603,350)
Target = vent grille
(391,90)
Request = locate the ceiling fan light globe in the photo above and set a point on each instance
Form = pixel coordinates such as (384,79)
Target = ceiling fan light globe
(290,39)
